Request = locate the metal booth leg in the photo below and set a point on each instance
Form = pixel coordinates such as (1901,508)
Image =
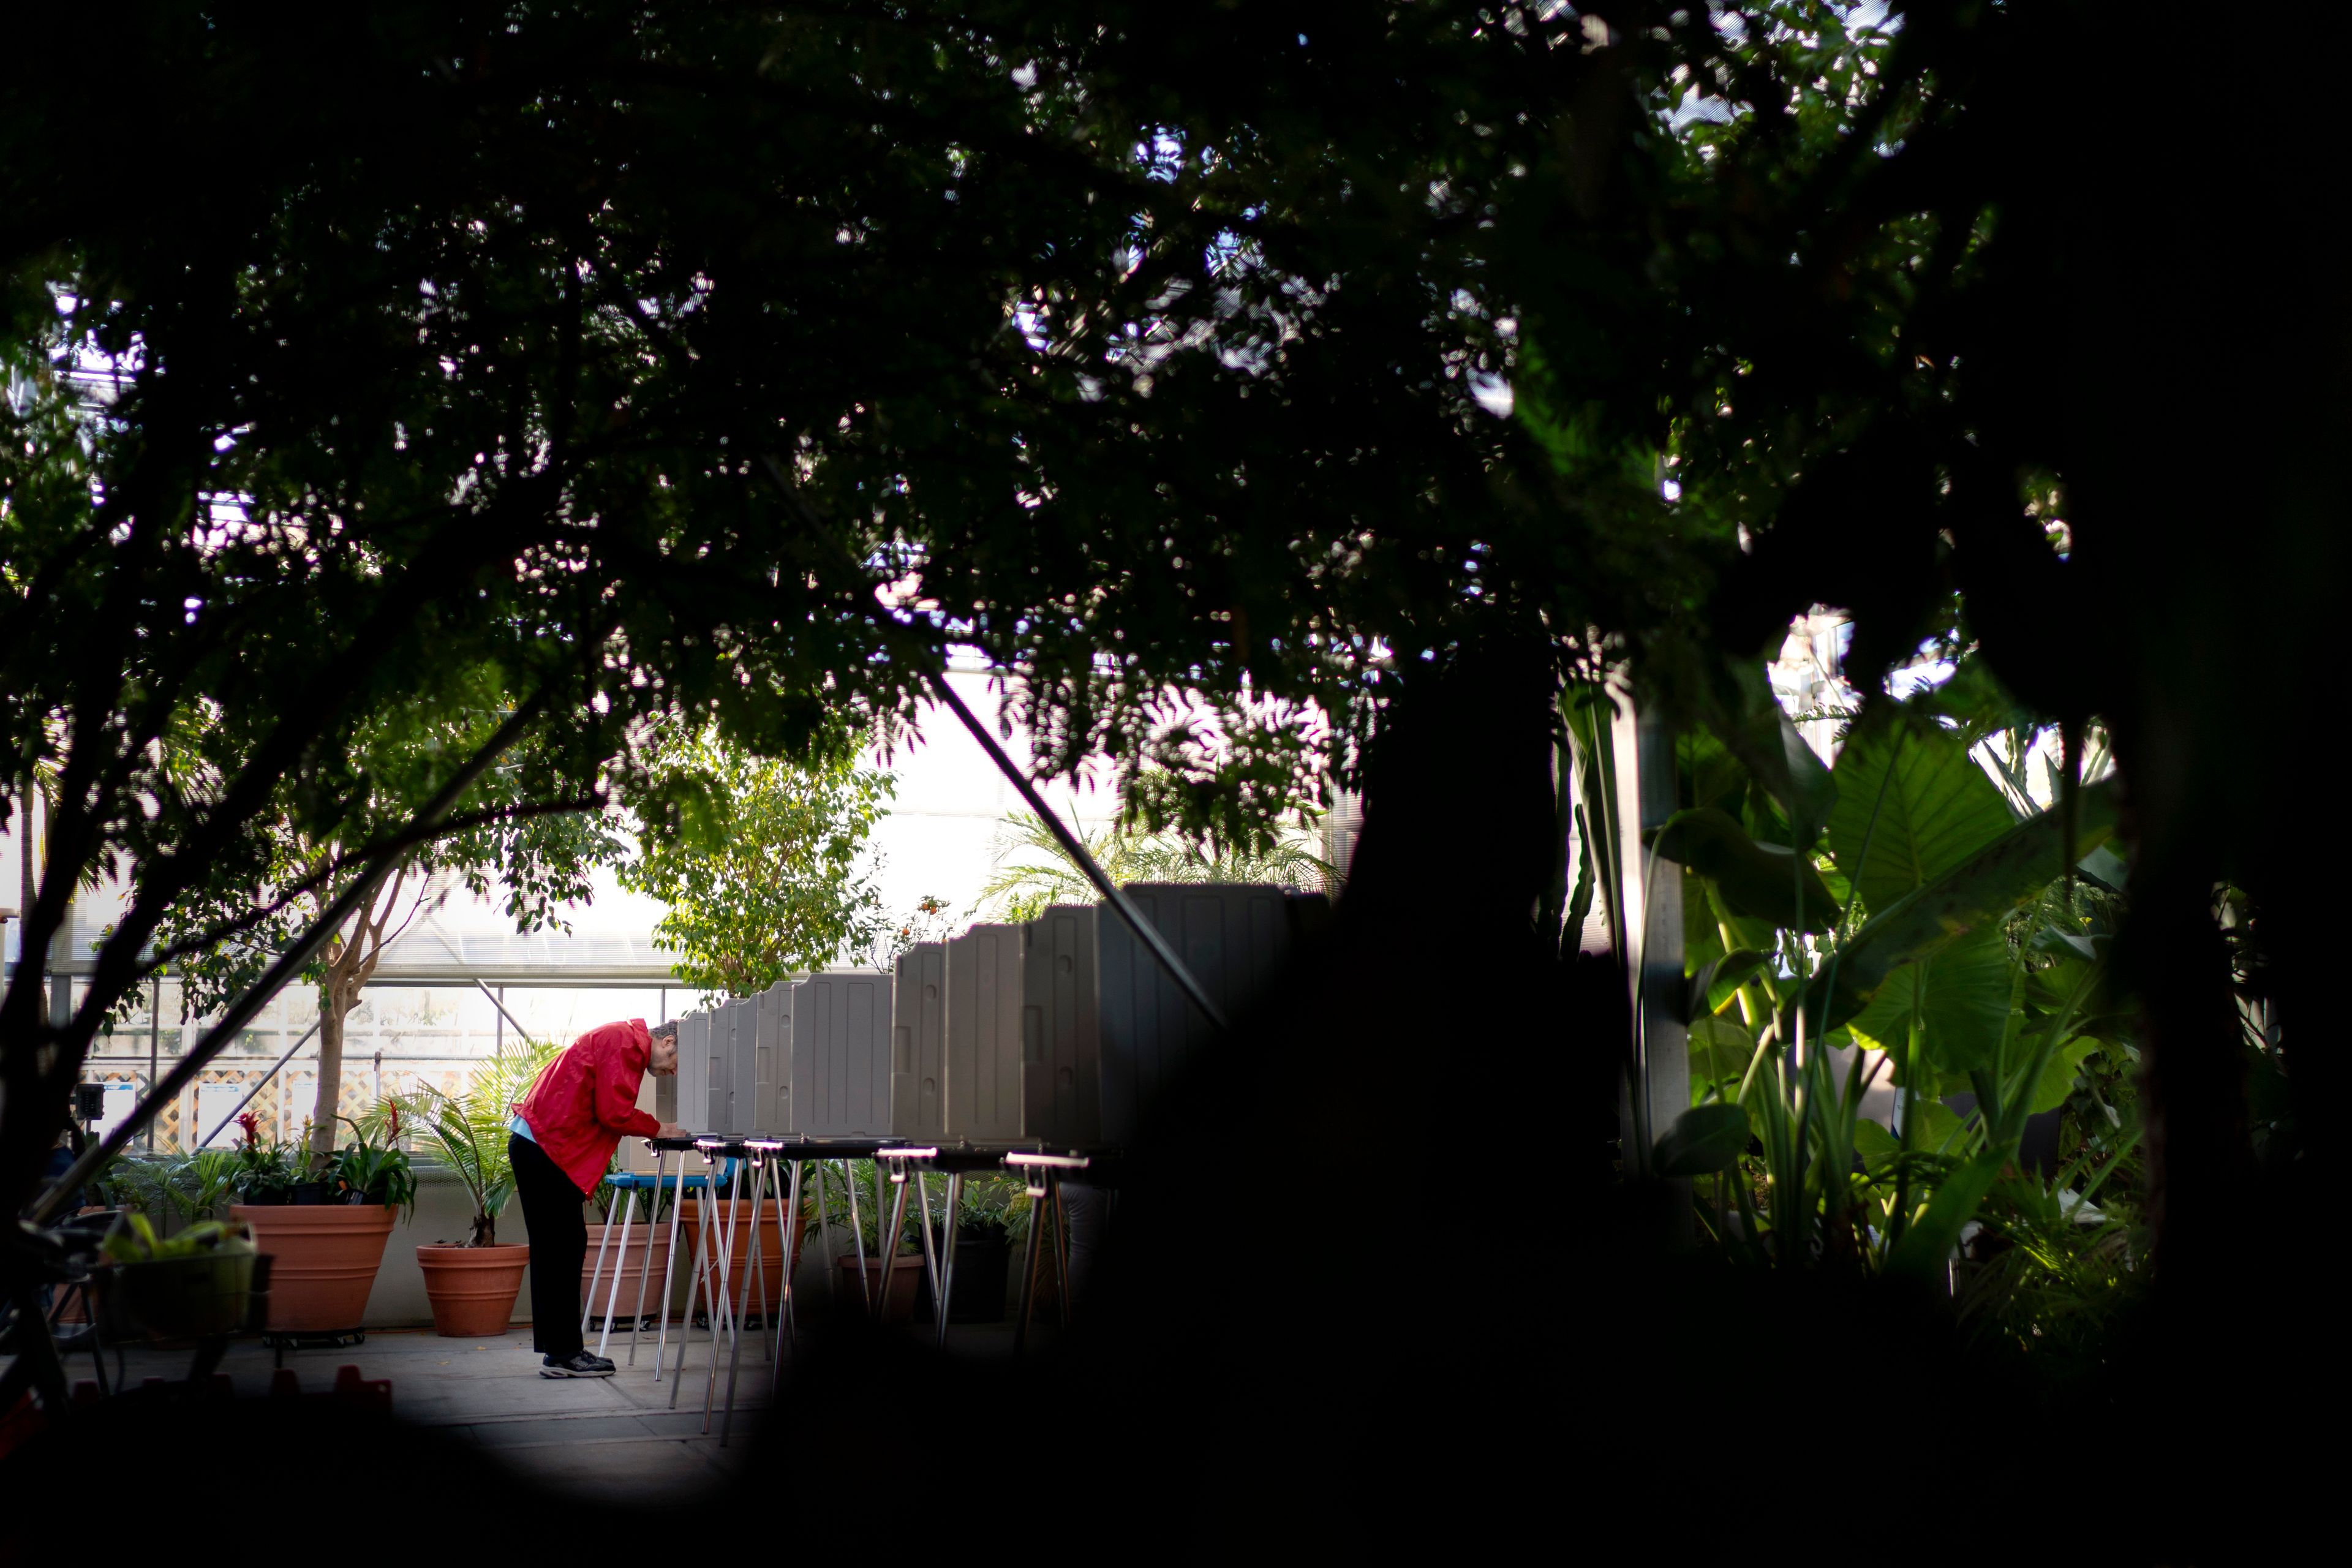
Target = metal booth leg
(758,1264)
(693,1283)
(722,1297)
(1040,1187)
(735,1357)
(613,1297)
(646,1263)
(788,1216)
(887,1241)
(669,1263)
(824,1239)
(588,1297)
(1061,1252)
(857,1237)
(948,1247)
(788,1236)
(930,1261)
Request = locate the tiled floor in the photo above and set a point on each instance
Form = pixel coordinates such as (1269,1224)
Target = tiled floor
(616,1438)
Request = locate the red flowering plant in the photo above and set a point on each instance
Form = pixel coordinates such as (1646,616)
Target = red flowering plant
(374,1169)
(261,1173)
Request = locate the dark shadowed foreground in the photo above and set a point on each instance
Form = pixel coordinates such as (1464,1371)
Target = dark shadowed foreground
(1260,1365)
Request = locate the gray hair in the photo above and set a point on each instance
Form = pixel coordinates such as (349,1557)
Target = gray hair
(665,1030)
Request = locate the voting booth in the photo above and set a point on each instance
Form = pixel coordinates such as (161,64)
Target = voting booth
(1235,938)
(771,1060)
(983,1035)
(841,1056)
(919,1043)
(694,1070)
(1061,1029)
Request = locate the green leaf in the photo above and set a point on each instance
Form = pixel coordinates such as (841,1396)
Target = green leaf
(1760,880)
(2105,868)
(1961,994)
(1703,1139)
(1720,1050)
(1986,886)
(1761,735)
(2057,1080)
(1935,1126)
(1927,1246)
(1875,1144)
(1919,802)
(1712,988)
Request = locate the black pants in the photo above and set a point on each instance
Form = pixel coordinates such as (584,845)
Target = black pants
(558,1245)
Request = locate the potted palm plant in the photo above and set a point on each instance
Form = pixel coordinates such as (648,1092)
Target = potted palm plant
(472,1283)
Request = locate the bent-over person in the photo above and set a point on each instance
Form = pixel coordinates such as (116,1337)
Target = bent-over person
(560,1142)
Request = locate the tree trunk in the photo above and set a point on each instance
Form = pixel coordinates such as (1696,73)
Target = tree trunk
(24,884)
(331,1012)
(351,958)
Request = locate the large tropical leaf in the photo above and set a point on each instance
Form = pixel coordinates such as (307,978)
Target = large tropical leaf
(1703,1139)
(1982,887)
(1912,795)
(1754,729)
(1926,1247)
(2058,1075)
(1961,995)
(1763,881)
(1720,1050)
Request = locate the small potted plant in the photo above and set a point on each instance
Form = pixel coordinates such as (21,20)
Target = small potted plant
(992,1224)
(907,1260)
(192,1286)
(324,1253)
(472,1283)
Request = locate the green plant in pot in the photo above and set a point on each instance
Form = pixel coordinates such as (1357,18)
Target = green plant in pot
(322,1220)
(375,1168)
(472,1283)
(192,1286)
(168,1187)
(872,1216)
(262,1172)
(991,1225)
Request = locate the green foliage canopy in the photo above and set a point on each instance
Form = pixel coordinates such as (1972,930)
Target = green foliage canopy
(762,861)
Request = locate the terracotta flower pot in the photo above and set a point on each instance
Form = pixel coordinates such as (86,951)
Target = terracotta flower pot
(627,1263)
(906,1279)
(325,1258)
(473,1288)
(738,1258)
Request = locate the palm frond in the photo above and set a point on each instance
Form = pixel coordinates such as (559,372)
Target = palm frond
(1034,873)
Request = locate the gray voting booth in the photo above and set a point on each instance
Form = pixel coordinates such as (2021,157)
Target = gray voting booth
(919,1043)
(694,1070)
(983,1035)
(1233,938)
(733,1066)
(772,1061)
(1061,1029)
(841,1056)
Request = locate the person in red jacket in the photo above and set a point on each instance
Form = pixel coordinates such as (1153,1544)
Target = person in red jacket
(560,1142)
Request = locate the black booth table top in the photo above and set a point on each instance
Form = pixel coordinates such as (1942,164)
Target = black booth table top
(936,1156)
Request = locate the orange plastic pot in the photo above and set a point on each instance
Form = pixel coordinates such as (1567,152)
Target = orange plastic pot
(324,1259)
(905,1279)
(627,1263)
(473,1288)
(739,1257)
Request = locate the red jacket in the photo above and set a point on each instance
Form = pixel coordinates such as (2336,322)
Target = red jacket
(585,1101)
